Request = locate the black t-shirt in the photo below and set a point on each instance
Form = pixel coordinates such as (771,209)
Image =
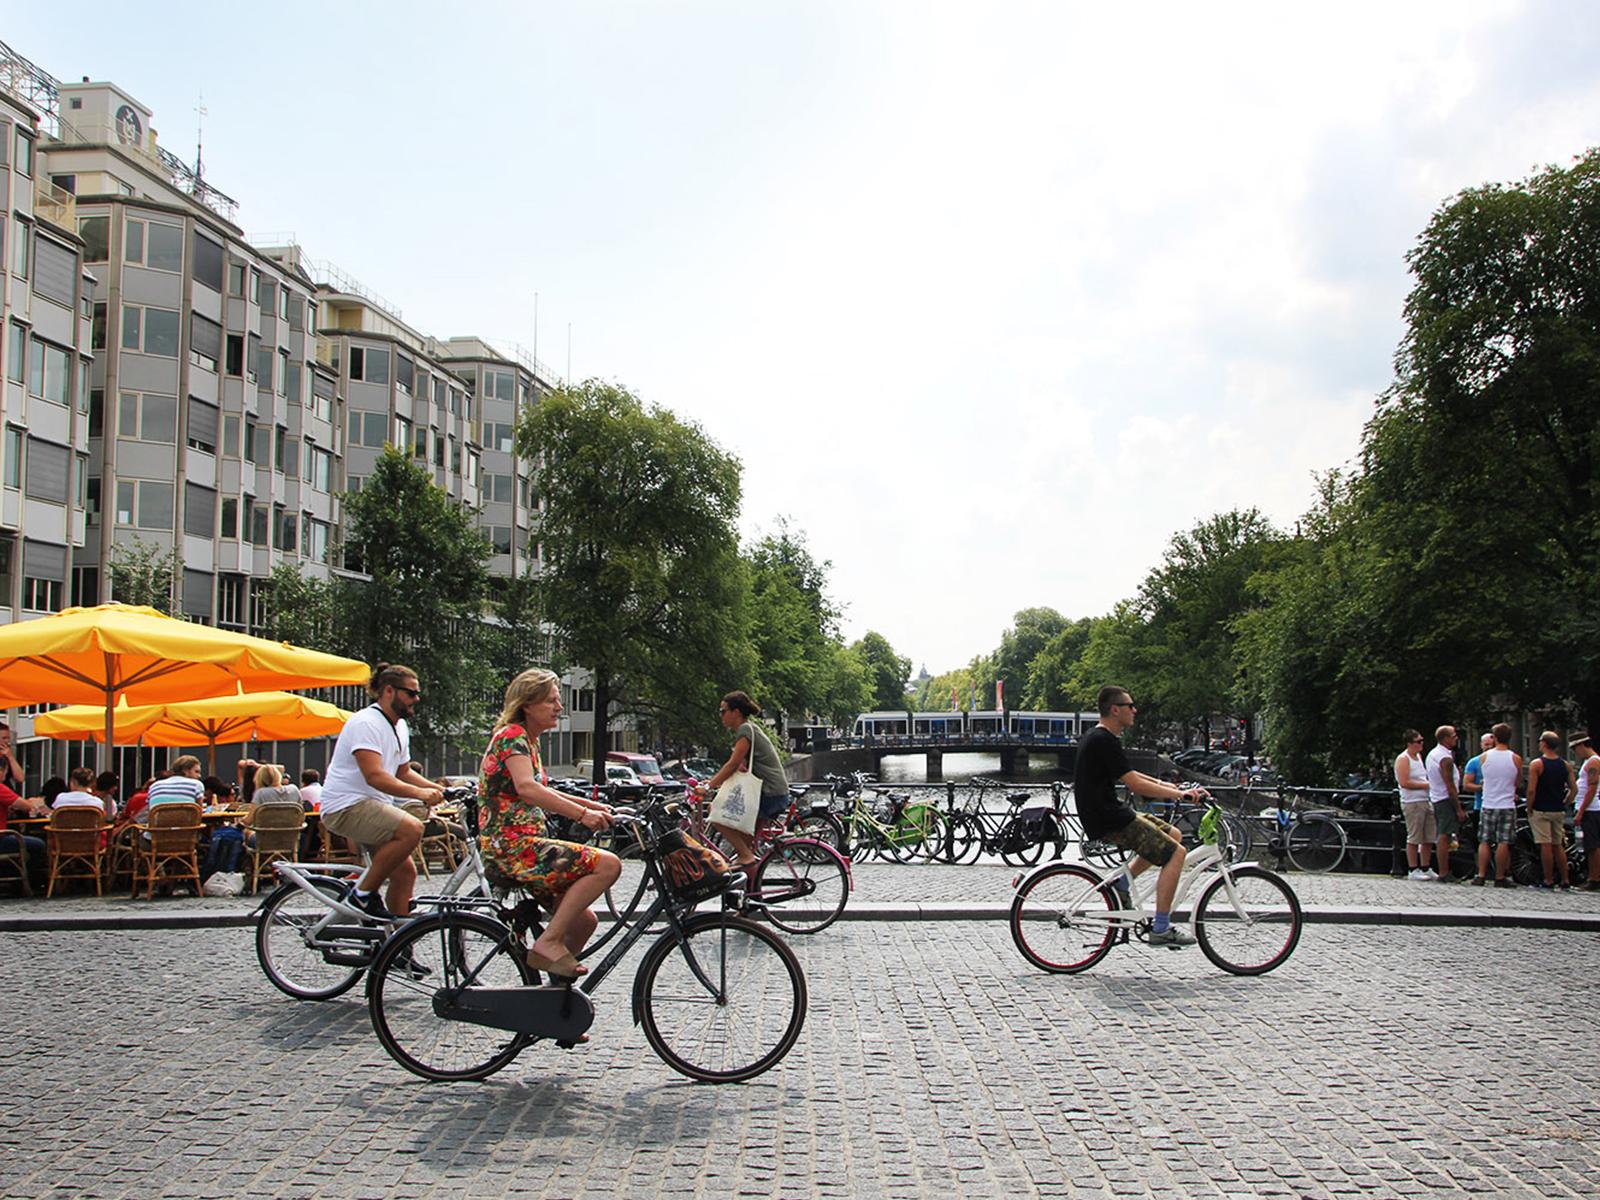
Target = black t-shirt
(1100,764)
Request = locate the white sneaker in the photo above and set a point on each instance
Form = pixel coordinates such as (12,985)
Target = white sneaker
(1416,874)
(1430,875)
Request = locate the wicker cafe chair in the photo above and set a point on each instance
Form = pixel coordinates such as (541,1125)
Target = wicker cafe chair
(277,836)
(122,854)
(14,858)
(335,849)
(74,844)
(172,855)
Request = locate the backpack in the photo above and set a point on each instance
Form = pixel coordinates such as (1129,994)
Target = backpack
(690,871)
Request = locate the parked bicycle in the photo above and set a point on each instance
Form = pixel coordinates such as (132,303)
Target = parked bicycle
(892,825)
(720,997)
(1019,835)
(1067,916)
(1309,841)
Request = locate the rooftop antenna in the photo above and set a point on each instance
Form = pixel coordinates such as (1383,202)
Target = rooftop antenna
(199,141)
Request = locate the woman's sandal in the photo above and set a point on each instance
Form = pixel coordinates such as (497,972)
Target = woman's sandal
(564,968)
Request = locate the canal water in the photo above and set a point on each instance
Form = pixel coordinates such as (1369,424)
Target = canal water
(959,768)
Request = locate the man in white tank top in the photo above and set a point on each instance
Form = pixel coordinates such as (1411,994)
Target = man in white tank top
(1445,795)
(1588,814)
(1502,769)
(1422,831)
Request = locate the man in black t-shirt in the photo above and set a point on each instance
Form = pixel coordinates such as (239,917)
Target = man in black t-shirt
(1101,765)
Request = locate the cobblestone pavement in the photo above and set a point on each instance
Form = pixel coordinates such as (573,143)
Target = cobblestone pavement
(933,883)
(1388,1061)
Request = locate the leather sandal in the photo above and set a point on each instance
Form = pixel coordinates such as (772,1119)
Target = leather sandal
(566,967)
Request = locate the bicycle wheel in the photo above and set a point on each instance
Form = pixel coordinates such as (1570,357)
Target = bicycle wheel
(966,839)
(1252,931)
(450,947)
(1316,843)
(284,948)
(803,885)
(1237,838)
(917,834)
(745,1021)
(822,827)
(1061,919)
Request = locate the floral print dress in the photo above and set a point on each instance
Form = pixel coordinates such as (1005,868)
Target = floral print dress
(511,831)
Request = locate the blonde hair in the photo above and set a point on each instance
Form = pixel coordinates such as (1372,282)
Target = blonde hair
(530,687)
(268,775)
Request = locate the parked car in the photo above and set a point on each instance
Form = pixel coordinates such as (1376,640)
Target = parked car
(691,768)
(618,773)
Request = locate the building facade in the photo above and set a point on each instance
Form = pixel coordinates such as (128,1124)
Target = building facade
(175,394)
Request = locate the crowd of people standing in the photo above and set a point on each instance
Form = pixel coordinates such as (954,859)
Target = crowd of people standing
(1436,791)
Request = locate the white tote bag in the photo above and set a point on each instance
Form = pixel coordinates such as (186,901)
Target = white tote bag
(738,801)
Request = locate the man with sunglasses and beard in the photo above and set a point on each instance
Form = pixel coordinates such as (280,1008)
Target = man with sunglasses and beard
(369,772)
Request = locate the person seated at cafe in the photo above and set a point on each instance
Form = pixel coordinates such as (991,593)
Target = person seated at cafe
(106,785)
(52,788)
(214,791)
(14,806)
(271,791)
(181,785)
(81,794)
(137,801)
(311,788)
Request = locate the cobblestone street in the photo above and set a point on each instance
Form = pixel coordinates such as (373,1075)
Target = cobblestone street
(1387,1061)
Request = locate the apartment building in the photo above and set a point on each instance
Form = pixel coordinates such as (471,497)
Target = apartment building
(171,387)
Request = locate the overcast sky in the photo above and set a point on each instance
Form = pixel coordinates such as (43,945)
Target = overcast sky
(990,299)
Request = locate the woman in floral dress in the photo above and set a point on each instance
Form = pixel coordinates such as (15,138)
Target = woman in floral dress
(564,876)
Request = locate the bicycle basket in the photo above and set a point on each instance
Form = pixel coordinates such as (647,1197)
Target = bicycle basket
(691,871)
(1211,826)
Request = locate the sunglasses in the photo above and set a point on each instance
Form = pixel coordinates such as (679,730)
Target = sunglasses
(412,692)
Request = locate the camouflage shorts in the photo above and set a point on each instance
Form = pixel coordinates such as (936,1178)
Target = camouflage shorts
(1152,840)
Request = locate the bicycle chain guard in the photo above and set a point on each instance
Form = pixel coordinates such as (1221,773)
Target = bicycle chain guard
(558,1012)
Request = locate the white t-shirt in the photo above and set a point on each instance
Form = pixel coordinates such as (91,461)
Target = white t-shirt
(1499,778)
(1438,757)
(311,793)
(78,800)
(369,729)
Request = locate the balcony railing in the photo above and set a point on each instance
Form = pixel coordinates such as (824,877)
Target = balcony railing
(56,205)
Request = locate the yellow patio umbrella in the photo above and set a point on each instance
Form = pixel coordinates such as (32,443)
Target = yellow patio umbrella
(245,717)
(114,652)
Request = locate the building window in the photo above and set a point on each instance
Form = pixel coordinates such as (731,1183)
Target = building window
(49,369)
(420,448)
(152,244)
(500,538)
(85,585)
(13,469)
(197,587)
(316,538)
(404,373)
(151,330)
(499,436)
(287,532)
(205,341)
(236,279)
(21,248)
(144,503)
(199,510)
(24,155)
(319,468)
(402,432)
(41,595)
(97,326)
(230,601)
(235,355)
(230,436)
(45,466)
(97,412)
(258,525)
(368,364)
(230,518)
(80,474)
(208,262)
(201,428)
(497,488)
(368,428)
(17,353)
(281,376)
(55,271)
(96,235)
(147,417)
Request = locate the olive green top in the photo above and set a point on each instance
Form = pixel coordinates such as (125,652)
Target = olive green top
(764,760)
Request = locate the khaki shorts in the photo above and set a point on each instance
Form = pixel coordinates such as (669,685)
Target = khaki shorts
(1421,828)
(1152,840)
(368,822)
(1549,828)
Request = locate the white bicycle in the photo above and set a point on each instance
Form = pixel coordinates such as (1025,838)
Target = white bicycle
(314,945)
(1067,916)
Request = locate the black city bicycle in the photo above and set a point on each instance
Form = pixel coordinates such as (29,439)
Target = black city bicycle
(719,997)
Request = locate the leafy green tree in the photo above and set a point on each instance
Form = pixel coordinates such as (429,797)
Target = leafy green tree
(304,610)
(642,580)
(886,672)
(144,573)
(791,623)
(1031,630)
(1051,671)
(424,602)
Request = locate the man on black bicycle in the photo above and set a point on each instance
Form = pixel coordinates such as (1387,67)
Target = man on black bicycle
(1101,765)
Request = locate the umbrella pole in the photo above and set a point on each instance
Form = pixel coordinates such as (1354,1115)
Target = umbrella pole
(111,719)
(211,754)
